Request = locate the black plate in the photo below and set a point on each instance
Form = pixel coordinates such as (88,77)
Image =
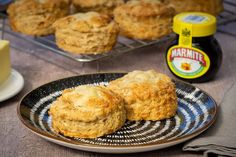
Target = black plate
(196,112)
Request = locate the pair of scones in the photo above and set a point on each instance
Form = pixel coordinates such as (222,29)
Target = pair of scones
(81,33)
(93,111)
(35,17)
(94,33)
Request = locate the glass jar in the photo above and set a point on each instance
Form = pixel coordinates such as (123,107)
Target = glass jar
(195,55)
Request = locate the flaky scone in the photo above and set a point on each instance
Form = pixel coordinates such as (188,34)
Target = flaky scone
(35,17)
(101,6)
(144,19)
(87,112)
(209,6)
(86,33)
(148,95)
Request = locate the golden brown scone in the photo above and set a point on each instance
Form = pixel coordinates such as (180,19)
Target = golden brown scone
(86,33)
(148,95)
(144,19)
(210,6)
(101,6)
(88,112)
(35,17)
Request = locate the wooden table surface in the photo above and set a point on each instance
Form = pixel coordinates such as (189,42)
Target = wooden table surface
(39,66)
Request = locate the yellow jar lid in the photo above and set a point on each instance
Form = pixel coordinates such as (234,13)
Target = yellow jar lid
(202,24)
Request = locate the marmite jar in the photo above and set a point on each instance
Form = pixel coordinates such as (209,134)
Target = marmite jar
(195,55)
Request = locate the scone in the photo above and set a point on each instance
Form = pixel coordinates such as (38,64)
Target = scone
(148,95)
(210,6)
(35,17)
(144,19)
(86,33)
(87,112)
(101,6)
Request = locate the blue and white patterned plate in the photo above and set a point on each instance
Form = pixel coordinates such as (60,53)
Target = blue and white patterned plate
(196,112)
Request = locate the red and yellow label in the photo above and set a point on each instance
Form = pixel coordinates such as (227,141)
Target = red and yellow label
(187,62)
(183,59)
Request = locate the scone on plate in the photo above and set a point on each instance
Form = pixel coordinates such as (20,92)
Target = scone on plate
(86,33)
(87,112)
(35,17)
(101,6)
(209,6)
(144,19)
(148,95)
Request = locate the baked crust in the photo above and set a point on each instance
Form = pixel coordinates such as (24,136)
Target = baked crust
(148,95)
(101,6)
(213,7)
(86,33)
(87,112)
(35,17)
(144,19)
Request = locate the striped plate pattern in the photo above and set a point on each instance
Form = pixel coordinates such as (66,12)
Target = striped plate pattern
(196,112)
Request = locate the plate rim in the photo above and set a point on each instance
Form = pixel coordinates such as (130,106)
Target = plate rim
(20,86)
(61,141)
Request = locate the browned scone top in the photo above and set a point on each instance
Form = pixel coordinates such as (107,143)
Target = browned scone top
(86,22)
(87,112)
(144,19)
(213,7)
(35,17)
(148,95)
(145,8)
(86,33)
(101,6)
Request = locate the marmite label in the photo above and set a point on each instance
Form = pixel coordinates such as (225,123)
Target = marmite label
(187,62)
(183,59)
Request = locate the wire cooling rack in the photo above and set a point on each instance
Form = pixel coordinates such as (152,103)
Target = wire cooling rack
(123,45)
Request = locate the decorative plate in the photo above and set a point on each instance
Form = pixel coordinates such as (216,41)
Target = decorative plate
(196,112)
